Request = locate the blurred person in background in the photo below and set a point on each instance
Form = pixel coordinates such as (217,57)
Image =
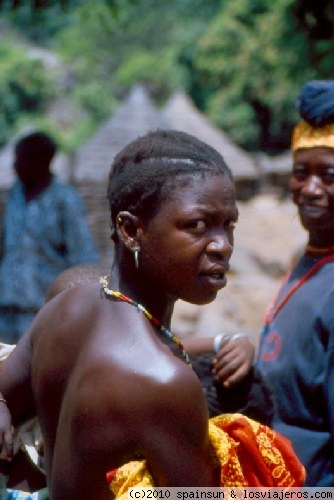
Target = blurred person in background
(297,343)
(44,232)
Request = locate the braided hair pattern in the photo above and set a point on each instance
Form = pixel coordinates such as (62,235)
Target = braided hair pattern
(149,168)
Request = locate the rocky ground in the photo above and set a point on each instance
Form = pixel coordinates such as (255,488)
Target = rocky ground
(268,237)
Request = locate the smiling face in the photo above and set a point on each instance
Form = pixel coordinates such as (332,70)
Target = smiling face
(186,246)
(312,188)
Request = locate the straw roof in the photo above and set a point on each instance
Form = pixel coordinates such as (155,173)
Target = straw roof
(181,114)
(138,115)
(135,117)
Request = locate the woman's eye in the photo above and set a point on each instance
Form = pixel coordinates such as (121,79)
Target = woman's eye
(231,224)
(196,224)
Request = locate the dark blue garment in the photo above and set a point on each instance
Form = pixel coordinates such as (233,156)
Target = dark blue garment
(297,356)
(41,239)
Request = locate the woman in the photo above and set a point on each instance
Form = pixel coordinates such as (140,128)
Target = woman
(111,385)
(297,344)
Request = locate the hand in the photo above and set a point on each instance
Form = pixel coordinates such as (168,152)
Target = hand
(6,433)
(233,361)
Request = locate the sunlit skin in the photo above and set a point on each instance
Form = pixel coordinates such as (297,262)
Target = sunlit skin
(312,188)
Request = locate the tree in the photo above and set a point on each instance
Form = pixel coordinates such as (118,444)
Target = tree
(253,60)
(25,89)
(242,61)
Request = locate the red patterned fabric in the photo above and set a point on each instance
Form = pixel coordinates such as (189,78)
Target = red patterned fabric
(245,452)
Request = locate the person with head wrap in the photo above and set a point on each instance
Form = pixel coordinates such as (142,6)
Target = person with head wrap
(297,343)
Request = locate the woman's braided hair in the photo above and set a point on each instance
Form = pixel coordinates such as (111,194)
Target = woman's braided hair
(150,167)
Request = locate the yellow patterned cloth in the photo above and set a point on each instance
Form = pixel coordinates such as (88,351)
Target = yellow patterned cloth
(306,136)
(244,453)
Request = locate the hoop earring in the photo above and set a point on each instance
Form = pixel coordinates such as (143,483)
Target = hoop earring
(136,257)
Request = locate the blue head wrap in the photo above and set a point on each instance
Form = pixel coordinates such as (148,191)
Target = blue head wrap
(316,102)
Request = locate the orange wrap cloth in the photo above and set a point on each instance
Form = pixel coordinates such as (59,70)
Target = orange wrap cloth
(244,452)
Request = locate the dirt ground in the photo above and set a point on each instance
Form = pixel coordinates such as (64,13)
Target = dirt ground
(268,237)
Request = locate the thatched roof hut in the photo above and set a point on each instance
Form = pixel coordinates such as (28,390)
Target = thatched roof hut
(181,114)
(135,117)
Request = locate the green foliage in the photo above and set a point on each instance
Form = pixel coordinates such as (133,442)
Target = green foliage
(253,60)
(242,61)
(157,70)
(121,43)
(95,98)
(24,88)
(40,20)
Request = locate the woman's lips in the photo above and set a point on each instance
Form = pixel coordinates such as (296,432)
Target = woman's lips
(312,210)
(215,277)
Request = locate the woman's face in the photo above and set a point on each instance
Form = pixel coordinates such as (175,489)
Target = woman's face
(187,245)
(312,188)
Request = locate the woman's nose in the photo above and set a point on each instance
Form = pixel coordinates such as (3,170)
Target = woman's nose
(220,246)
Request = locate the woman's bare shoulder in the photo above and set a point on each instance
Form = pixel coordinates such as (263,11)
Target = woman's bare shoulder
(67,312)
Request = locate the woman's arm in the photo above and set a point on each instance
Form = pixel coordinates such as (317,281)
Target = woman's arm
(233,355)
(6,431)
(16,401)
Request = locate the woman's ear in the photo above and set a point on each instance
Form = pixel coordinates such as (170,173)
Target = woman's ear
(128,227)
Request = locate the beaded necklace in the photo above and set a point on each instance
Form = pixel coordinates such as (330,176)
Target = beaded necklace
(120,296)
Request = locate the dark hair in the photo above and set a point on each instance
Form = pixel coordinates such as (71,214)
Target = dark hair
(145,171)
(37,145)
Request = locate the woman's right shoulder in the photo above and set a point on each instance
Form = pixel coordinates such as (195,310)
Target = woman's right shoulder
(65,328)
(69,309)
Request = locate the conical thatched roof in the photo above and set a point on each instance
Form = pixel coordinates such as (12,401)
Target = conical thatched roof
(181,114)
(135,117)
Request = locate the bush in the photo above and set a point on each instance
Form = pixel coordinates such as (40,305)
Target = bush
(25,89)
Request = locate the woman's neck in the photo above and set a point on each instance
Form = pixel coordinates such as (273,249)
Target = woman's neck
(132,284)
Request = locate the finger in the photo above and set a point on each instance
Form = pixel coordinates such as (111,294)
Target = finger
(232,358)
(238,355)
(223,372)
(235,377)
